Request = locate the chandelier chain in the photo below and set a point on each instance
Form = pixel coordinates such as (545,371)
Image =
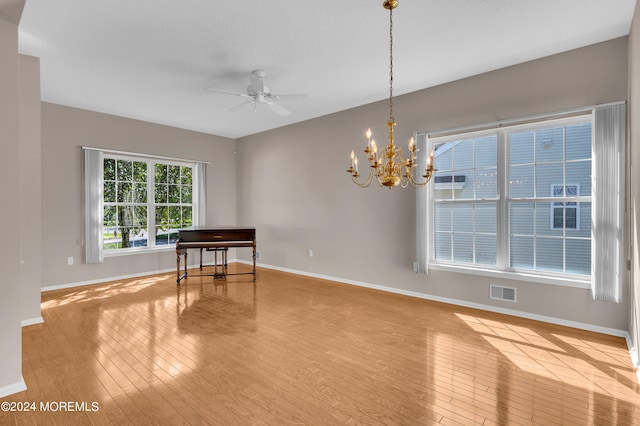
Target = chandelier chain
(391,64)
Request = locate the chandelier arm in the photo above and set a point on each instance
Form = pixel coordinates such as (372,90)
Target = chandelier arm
(419,185)
(428,174)
(354,178)
(416,184)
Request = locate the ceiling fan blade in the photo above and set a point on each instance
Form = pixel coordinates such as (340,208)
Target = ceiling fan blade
(237,107)
(291,97)
(244,95)
(278,109)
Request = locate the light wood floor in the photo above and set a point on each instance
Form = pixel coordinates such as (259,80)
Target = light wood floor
(297,350)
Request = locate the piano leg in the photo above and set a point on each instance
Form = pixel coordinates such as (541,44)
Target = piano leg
(177,267)
(254,260)
(216,274)
(185,263)
(179,277)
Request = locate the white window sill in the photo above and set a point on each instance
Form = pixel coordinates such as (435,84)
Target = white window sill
(134,251)
(521,276)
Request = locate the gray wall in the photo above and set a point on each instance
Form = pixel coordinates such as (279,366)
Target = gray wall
(293,186)
(30,190)
(65,131)
(10,293)
(633,180)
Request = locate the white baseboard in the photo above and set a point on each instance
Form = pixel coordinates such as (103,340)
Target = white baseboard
(635,357)
(103,280)
(457,302)
(32,321)
(14,388)
(120,277)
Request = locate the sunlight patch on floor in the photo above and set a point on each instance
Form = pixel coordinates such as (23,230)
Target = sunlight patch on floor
(103,291)
(562,358)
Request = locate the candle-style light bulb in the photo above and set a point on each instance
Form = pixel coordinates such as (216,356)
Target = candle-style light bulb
(374,147)
(353,155)
(356,161)
(368,133)
(411,145)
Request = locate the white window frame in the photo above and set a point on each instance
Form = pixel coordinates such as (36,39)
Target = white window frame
(151,204)
(502,268)
(94,199)
(566,199)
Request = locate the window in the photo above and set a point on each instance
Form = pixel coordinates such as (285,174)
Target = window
(465,214)
(535,194)
(137,202)
(513,199)
(143,195)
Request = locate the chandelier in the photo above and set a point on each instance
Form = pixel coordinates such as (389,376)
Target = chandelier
(388,167)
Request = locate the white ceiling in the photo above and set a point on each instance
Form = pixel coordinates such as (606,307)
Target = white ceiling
(152,59)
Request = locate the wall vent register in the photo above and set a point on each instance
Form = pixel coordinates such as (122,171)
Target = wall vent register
(502,293)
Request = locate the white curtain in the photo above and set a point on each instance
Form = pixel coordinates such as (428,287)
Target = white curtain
(422,211)
(93,169)
(608,170)
(200,194)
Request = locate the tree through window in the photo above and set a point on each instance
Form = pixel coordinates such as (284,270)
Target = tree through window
(143,195)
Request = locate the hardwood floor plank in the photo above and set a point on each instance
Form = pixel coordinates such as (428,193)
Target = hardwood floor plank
(297,350)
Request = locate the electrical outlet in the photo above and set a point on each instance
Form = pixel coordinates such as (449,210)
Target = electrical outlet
(70,260)
(258,255)
(310,253)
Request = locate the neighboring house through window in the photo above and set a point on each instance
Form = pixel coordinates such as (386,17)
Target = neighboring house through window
(513,198)
(539,198)
(565,215)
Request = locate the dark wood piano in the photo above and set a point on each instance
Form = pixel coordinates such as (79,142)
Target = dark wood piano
(218,240)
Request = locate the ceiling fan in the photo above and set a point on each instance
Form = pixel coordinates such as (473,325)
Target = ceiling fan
(258,92)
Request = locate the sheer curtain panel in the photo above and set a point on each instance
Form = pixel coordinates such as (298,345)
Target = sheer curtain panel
(608,207)
(93,169)
(422,210)
(200,194)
